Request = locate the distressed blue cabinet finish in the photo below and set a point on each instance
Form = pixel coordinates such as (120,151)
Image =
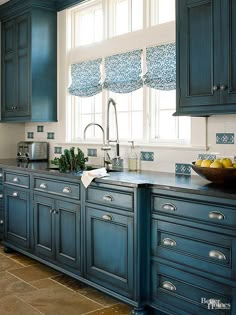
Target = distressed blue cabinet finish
(193,253)
(17,216)
(29,48)
(109,241)
(206,70)
(57,230)
(1,206)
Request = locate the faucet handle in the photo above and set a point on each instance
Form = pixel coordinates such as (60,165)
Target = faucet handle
(106,148)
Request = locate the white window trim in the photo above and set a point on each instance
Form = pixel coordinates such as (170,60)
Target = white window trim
(160,34)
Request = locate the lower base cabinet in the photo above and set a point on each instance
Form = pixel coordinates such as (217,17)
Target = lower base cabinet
(57,230)
(17,230)
(109,241)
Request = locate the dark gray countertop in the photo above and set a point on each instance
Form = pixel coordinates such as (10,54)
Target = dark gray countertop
(160,180)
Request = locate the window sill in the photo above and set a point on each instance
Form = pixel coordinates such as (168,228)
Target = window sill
(169,146)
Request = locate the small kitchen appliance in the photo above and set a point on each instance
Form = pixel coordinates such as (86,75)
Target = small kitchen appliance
(32,150)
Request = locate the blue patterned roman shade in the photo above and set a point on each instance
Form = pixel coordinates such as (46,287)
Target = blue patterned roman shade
(161,67)
(123,72)
(86,78)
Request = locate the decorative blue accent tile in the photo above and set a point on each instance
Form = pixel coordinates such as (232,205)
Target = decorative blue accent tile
(51,135)
(116,162)
(147,156)
(40,128)
(225,138)
(206,156)
(92,152)
(30,135)
(58,150)
(184,169)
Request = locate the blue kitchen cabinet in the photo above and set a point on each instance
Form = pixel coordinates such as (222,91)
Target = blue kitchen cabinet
(17,213)
(193,253)
(1,206)
(206,71)
(17,208)
(29,66)
(57,230)
(109,241)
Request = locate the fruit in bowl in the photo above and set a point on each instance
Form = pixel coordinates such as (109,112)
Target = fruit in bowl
(221,171)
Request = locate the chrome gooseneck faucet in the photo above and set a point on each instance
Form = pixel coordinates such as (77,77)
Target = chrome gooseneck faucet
(111,101)
(105,147)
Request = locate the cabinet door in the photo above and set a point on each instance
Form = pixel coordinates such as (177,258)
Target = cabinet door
(22,60)
(198,56)
(228,82)
(68,234)
(17,216)
(44,226)
(109,250)
(8,67)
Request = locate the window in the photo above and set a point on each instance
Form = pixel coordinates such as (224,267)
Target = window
(164,126)
(126,16)
(130,115)
(144,115)
(162,11)
(88,25)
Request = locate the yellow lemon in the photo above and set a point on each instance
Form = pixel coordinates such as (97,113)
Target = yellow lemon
(198,162)
(206,163)
(226,162)
(216,164)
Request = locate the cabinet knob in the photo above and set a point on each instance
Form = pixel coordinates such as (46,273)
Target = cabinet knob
(168,286)
(217,255)
(107,217)
(169,242)
(66,190)
(1,222)
(16,180)
(223,87)
(107,198)
(1,196)
(43,186)
(215,215)
(169,207)
(1,175)
(215,88)
(51,211)
(15,194)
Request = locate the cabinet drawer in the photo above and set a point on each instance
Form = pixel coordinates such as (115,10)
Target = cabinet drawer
(1,197)
(176,290)
(110,197)
(1,221)
(206,251)
(17,179)
(62,188)
(211,213)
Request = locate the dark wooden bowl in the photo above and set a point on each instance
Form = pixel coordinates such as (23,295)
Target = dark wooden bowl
(216,175)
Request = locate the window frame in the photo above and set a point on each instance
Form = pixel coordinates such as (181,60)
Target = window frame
(163,33)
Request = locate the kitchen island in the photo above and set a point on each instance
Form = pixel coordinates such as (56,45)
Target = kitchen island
(158,241)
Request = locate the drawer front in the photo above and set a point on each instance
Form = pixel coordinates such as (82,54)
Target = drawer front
(202,250)
(62,188)
(211,213)
(110,197)
(176,290)
(17,179)
(1,221)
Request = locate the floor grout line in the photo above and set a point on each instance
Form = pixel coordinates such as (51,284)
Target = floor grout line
(29,304)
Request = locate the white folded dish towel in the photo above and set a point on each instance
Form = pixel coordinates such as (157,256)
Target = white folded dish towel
(88,176)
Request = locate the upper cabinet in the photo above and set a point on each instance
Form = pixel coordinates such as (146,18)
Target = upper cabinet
(206,57)
(29,61)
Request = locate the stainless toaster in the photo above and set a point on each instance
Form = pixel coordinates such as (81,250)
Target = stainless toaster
(33,150)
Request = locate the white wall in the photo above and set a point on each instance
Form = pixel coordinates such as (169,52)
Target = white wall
(10,135)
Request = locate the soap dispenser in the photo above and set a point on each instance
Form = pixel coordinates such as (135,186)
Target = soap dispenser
(133,158)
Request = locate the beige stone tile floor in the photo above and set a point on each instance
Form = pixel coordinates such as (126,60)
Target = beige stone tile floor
(30,288)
